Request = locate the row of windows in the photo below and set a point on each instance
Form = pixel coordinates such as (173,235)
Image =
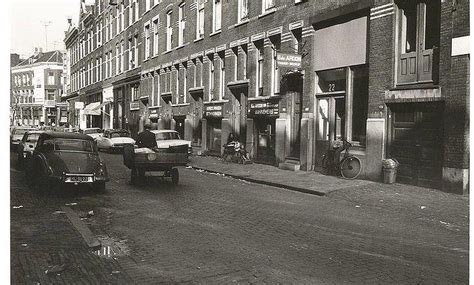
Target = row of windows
(112,63)
(104,30)
(215,73)
(27,79)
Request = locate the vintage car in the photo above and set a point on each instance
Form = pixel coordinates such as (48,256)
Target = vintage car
(167,138)
(27,145)
(66,158)
(92,132)
(17,134)
(113,140)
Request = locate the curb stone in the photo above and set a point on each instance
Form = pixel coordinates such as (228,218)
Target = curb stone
(257,181)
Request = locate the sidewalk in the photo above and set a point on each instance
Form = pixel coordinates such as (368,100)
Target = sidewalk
(303,181)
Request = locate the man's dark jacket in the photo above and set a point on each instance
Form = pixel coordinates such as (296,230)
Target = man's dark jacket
(146,139)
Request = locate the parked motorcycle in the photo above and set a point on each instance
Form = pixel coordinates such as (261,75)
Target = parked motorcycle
(235,152)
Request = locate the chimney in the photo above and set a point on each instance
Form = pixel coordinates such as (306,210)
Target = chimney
(69,21)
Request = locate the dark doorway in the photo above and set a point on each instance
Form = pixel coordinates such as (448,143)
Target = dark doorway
(214,134)
(265,129)
(416,142)
(179,126)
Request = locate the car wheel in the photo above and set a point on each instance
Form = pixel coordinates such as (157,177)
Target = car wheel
(174,176)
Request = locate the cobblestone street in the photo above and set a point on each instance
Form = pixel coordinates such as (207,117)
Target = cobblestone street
(215,229)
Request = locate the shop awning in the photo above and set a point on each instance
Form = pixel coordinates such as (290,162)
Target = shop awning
(92,109)
(102,105)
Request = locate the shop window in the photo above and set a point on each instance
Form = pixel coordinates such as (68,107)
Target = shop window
(418,41)
(342,104)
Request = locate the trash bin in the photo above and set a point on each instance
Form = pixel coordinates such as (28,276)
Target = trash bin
(390,167)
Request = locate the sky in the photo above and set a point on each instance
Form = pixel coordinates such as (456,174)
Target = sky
(27,28)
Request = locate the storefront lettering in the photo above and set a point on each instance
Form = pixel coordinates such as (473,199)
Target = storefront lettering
(264,108)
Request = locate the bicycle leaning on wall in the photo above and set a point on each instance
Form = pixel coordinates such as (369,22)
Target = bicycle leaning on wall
(349,166)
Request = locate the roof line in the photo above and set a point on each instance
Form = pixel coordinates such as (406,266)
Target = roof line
(51,56)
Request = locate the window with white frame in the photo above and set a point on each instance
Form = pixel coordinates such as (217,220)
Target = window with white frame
(111,21)
(185,81)
(200,19)
(147,5)
(107,29)
(117,58)
(122,56)
(117,19)
(147,41)
(260,66)
(135,47)
(106,63)
(276,43)
(221,75)
(169,31)
(122,18)
(50,78)
(177,78)
(99,33)
(156,37)
(244,61)
(211,76)
(131,6)
(100,68)
(131,63)
(216,15)
(137,10)
(243,10)
(235,53)
(181,23)
(267,5)
(157,91)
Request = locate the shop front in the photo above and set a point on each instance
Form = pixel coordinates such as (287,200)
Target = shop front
(213,115)
(264,115)
(341,99)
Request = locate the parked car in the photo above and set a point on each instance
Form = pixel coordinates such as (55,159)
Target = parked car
(92,132)
(113,140)
(167,138)
(17,134)
(66,158)
(27,145)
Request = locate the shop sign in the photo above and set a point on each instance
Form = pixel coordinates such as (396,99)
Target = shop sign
(134,106)
(264,109)
(213,111)
(289,60)
(79,105)
(153,114)
(49,103)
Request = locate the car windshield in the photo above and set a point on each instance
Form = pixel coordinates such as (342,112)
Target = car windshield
(93,131)
(73,145)
(32,138)
(167,136)
(119,134)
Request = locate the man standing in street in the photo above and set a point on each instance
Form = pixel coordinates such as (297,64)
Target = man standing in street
(147,138)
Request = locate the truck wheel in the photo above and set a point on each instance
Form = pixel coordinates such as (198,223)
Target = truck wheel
(175,176)
(99,187)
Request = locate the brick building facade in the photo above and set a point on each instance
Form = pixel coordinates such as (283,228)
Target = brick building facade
(390,76)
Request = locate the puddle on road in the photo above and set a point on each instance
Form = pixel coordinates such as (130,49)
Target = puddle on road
(111,247)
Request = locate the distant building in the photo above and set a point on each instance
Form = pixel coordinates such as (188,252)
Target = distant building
(36,87)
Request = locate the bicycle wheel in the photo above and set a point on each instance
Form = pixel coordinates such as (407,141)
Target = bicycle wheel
(350,167)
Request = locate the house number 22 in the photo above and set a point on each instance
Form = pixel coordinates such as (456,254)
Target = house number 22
(332,87)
